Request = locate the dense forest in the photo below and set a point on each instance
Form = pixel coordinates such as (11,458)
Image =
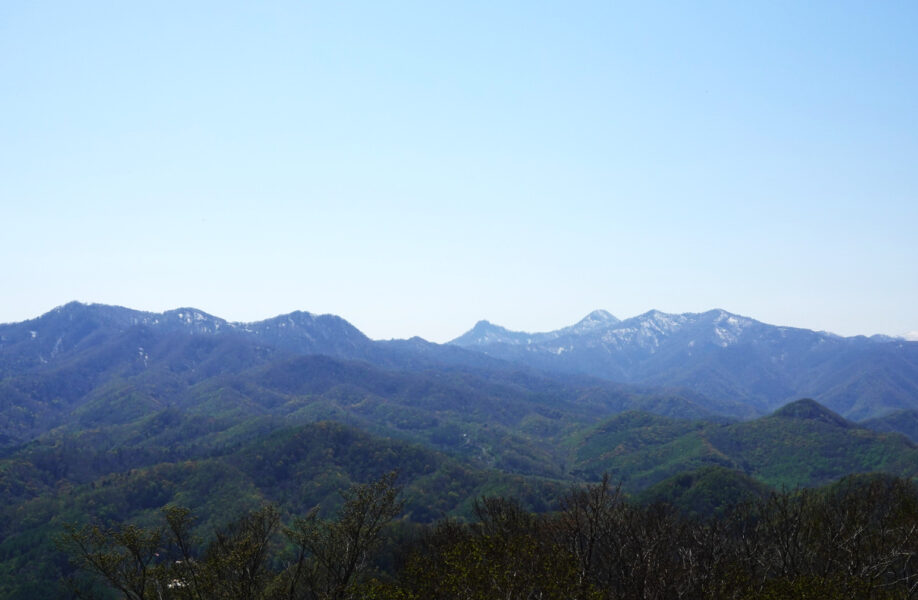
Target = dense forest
(857,538)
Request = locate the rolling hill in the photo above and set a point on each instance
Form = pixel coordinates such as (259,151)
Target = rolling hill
(801,444)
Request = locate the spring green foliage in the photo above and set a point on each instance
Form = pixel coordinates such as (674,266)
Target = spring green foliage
(222,469)
(331,555)
(708,491)
(855,539)
(803,444)
(243,560)
(294,468)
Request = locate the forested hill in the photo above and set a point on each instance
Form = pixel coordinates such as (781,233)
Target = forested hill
(801,444)
(129,474)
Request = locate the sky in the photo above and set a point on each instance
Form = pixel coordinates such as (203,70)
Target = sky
(417,166)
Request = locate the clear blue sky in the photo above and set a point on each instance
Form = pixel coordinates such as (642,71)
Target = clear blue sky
(415,167)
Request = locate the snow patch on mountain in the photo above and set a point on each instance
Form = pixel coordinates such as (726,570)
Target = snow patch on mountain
(597,319)
(602,331)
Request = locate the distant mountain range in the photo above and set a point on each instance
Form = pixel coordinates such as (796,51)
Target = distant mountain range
(84,365)
(722,356)
(723,363)
(74,326)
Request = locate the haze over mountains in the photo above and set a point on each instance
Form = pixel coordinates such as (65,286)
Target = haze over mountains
(723,356)
(727,364)
(81,366)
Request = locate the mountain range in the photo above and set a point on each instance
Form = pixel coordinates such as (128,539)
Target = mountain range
(734,365)
(719,363)
(82,364)
(112,413)
(722,356)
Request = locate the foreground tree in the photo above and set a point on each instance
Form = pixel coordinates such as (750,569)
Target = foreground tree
(856,539)
(505,554)
(162,563)
(125,556)
(333,555)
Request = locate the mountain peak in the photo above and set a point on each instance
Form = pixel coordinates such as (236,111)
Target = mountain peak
(811,410)
(596,320)
(653,314)
(72,305)
(188,314)
(600,316)
(484,332)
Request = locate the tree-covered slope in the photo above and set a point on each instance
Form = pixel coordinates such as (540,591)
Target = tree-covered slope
(295,468)
(802,444)
(705,492)
(900,421)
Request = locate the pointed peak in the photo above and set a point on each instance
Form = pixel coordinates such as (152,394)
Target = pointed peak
(485,326)
(807,408)
(600,316)
(484,332)
(598,319)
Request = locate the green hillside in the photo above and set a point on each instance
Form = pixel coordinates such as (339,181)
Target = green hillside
(900,421)
(802,444)
(705,492)
(295,468)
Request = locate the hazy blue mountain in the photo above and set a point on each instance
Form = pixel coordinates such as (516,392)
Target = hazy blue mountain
(723,356)
(485,333)
(75,326)
(900,421)
(705,364)
(71,329)
(83,366)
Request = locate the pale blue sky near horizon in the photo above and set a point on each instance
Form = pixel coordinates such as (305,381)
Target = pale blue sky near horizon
(417,166)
